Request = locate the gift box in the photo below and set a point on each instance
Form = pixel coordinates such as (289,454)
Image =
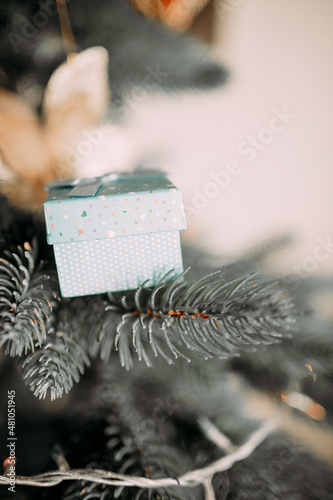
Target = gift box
(114,232)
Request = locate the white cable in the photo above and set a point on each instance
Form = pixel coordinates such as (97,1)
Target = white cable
(194,478)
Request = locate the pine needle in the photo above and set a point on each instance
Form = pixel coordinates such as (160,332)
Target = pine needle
(211,317)
(26,296)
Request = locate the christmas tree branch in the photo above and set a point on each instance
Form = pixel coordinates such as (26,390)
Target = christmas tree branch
(202,476)
(25,301)
(210,317)
(60,360)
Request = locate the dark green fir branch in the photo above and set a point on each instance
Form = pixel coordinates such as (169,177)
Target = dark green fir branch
(61,360)
(211,317)
(26,295)
(136,445)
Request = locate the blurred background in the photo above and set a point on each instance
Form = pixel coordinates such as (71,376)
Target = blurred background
(279,55)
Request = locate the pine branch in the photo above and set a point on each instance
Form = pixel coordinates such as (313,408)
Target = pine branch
(305,356)
(61,359)
(211,317)
(143,446)
(25,301)
(135,446)
(139,453)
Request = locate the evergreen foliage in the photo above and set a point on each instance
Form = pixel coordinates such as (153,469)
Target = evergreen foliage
(25,301)
(150,422)
(209,317)
(61,359)
(249,348)
(213,316)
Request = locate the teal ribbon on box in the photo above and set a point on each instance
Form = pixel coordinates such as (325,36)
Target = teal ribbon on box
(89,186)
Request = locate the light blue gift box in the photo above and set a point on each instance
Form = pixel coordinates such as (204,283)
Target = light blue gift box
(114,232)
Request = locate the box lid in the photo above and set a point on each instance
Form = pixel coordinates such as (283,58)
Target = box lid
(124,204)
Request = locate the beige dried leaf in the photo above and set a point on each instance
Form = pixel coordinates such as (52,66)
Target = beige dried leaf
(76,97)
(32,153)
(21,140)
(25,161)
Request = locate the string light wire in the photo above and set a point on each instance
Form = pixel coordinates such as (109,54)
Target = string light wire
(191,479)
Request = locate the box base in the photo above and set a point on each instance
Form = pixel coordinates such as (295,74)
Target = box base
(123,263)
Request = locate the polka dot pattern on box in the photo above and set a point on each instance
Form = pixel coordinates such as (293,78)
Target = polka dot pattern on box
(116,264)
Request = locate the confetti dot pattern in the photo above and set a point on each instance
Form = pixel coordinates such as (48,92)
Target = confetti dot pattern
(115,264)
(125,207)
